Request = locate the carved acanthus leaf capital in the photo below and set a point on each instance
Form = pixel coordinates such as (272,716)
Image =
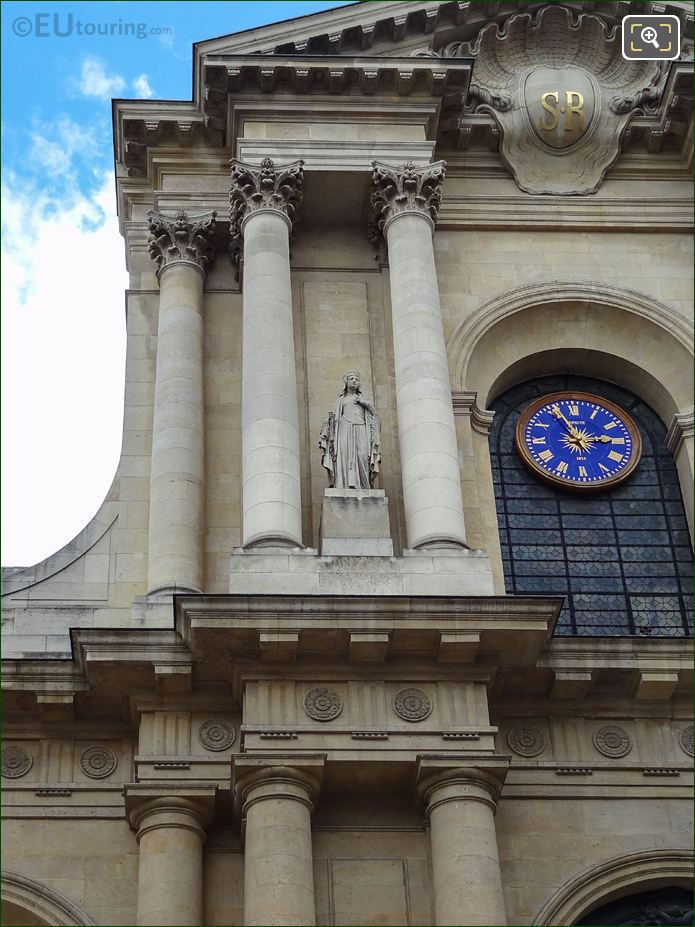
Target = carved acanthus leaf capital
(175,239)
(265,186)
(403,189)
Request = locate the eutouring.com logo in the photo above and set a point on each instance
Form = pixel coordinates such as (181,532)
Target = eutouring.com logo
(62,26)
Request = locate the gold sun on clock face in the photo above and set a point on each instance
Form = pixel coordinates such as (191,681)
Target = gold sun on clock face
(578,441)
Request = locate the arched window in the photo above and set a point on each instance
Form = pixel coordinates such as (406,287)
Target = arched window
(671,905)
(621,557)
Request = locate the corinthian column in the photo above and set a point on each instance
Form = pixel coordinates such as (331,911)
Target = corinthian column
(264,207)
(181,248)
(405,202)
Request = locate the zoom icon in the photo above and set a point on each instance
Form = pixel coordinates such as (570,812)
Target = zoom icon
(651,38)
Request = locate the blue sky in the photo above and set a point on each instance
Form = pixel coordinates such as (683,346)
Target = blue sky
(63,333)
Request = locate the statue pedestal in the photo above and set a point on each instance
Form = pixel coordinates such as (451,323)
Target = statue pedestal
(355,522)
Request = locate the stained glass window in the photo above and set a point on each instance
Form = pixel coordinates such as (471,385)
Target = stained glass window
(621,558)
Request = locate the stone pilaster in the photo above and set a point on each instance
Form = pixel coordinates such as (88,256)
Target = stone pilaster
(276,805)
(181,247)
(405,201)
(171,829)
(264,208)
(460,804)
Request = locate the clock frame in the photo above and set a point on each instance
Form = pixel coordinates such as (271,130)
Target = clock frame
(567,396)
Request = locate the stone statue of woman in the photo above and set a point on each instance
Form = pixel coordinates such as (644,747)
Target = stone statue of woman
(351,438)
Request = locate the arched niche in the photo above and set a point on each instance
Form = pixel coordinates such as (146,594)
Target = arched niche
(616,878)
(586,329)
(28,903)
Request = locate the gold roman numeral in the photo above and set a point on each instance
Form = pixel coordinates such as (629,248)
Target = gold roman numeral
(618,441)
(609,426)
(605,469)
(582,471)
(594,413)
(539,440)
(574,409)
(561,468)
(614,455)
(546,456)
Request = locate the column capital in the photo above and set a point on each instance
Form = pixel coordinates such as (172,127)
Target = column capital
(181,239)
(294,777)
(441,778)
(151,807)
(407,189)
(267,186)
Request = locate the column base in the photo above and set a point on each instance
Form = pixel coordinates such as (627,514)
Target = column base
(282,542)
(173,588)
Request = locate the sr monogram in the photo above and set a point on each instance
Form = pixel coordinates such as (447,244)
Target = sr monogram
(572,106)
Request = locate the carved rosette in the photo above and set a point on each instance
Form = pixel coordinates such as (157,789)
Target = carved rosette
(16,762)
(176,239)
(685,739)
(98,761)
(217,734)
(611,740)
(409,188)
(323,704)
(526,740)
(412,704)
(268,186)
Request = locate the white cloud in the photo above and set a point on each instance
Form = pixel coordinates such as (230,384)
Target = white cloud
(141,86)
(95,82)
(63,346)
(55,145)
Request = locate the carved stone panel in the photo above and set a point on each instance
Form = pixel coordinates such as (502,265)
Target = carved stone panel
(98,761)
(561,94)
(611,740)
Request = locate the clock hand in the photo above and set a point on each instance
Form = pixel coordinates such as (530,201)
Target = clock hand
(558,414)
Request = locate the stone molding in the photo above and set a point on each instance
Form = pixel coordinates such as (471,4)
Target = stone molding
(267,186)
(465,402)
(189,806)
(679,430)
(612,878)
(463,340)
(460,778)
(42,901)
(406,189)
(181,239)
(295,777)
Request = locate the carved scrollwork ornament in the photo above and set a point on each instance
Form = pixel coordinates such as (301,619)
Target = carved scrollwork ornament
(685,739)
(412,704)
(408,188)
(217,734)
(179,238)
(98,761)
(323,704)
(611,740)
(16,762)
(526,740)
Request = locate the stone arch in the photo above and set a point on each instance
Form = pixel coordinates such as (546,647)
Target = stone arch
(582,328)
(27,902)
(614,878)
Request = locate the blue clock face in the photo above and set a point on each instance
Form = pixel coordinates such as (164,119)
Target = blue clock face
(578,440)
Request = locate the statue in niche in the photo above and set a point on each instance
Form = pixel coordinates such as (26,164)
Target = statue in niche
(350,438)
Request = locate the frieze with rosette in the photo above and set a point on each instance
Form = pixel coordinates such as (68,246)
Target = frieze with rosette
(16,761)
(323,704)
(217,734)
(526,740)
(611,740)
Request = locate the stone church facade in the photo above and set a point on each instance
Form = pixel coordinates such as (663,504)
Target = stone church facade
(383,665)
